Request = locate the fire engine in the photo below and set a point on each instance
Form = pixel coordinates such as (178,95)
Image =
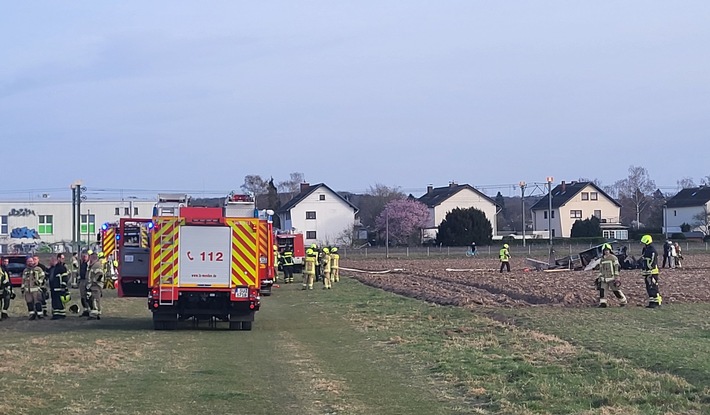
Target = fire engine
(208,263)
(294,242)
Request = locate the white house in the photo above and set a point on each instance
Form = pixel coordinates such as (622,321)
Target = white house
(322,215)
(442,200)
(690,206)
(43,221)
(578,201)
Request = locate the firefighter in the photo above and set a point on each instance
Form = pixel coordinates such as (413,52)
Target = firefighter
(287,265)
(316,253)
(276,261)
(334,264)
(94,282)
(309,271)
(45,288)
(325,268)
(608,278)
(58,284)
(649,266)
(73,268)
(6,293)
(83,271)
(504,255)
(32,282)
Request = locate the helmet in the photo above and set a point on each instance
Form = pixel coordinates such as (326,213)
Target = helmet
(334,249)
(505,246)
(326,250)
(89,252)
(288,253)
(309,251)
(646,239)
(314,246)
(101,255)
(66,298)
(74,308)
(606,246)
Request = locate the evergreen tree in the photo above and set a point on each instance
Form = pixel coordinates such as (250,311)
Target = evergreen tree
(587,228)
(463,226)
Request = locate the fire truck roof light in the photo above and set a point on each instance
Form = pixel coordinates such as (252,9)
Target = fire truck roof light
(150,225)
(104,226)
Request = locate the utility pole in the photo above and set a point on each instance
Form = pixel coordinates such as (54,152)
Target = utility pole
(77,187)
(522,199)
(387,234)
(549,219)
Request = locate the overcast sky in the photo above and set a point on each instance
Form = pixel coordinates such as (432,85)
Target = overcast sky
(196,95)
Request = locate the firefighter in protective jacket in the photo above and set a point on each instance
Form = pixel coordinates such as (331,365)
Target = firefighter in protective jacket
(58,285)
(6,293)
(309,270)
(32,283)
(608,278)
(334,265)
(286,260)
(94,283)
(325,267)
(649,265)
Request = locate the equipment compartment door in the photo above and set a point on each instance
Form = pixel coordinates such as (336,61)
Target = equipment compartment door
(204,256)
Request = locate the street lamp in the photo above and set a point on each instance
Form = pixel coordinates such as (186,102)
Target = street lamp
(522,202)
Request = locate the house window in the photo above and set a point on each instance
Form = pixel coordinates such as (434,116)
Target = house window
(675,213)
(3,225)
(594,196)
(310,234)
(544,215)
(321,197)
(135,210)
(585,195)
(117,211)
(88,224)
(45,225)
(126,211)
(575,214)
(598,214)
(310,215)
(607,234)
(553,214)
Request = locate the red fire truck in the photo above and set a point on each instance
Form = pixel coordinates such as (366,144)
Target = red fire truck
(207,263)
(294,242)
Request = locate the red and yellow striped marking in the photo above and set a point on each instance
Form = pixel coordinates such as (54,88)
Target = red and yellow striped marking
(245,254)
(165,252)
(108,242)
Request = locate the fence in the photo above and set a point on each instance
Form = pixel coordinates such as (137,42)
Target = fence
(536,250)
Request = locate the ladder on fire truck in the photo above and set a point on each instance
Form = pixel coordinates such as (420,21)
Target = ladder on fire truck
(168,206)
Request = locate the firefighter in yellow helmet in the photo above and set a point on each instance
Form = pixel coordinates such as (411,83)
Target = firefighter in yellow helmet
(6,293)
(94,283)
(504,255)
(608,278)
(286,260)
(309,269)
(325,267)
(334,264)
(649,266)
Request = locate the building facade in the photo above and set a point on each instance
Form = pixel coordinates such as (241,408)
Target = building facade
(690,207)
(578,201)
(27,224)
(442,200)
(322,215)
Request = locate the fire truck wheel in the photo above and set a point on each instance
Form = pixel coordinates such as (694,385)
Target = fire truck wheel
(235,325)
(246,325)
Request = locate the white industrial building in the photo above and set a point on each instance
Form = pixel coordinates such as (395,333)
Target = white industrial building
(24,225)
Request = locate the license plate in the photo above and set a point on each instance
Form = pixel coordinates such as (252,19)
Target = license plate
(241,292)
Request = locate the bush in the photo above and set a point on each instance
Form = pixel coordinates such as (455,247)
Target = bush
(677,236)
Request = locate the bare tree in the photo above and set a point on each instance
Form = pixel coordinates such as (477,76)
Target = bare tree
(255,184)
(374,201)
(293,184)
(635,191)
(702,220)
(686,182)
(705,181)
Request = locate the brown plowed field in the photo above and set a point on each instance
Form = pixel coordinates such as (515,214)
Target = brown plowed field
(479,284)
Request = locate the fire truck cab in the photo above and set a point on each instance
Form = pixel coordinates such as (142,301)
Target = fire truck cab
(207,263)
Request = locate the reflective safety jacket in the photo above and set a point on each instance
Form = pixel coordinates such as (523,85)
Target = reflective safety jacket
(95,273)
(5,284)
(325,262)
(32,279)
(287,259)
(335,260)
(310,264)
(504,255)
(650,260)
(609,267)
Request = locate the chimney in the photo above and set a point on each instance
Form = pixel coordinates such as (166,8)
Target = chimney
(304,186)
(564,186)
(429,188)
(452,184)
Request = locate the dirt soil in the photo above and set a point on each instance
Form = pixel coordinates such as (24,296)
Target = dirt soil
(476,282)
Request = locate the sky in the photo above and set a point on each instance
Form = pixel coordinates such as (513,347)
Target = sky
(193,96)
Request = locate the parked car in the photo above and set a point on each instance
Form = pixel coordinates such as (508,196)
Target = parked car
(15,266)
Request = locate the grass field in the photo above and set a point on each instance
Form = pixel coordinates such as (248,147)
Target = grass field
(359,350)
